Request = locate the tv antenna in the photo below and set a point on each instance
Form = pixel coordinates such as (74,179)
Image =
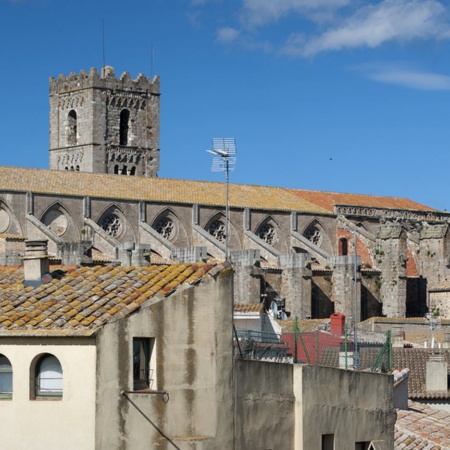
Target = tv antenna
(224,160)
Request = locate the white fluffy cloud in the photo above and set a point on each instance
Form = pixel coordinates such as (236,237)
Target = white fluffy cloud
(227,34)
(375,24)
(410,78)
(258,12)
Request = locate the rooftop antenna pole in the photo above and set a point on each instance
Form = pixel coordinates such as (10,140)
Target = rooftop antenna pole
(104,57)
(151,63)
(224,150)
(355,312)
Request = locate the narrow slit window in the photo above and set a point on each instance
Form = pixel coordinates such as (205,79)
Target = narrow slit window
(124,126)
(143,362)
(72,128)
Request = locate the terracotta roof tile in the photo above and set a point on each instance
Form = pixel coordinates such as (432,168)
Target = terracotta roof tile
(328,200)
(189,191)
(151,189)
(78,304)
(248,308)
(421,427)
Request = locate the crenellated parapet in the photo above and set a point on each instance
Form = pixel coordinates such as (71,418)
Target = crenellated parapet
(105,80)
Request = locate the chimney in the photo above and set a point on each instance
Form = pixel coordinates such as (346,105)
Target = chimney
(446,341)
(398,337)
(35,262)
(436,376)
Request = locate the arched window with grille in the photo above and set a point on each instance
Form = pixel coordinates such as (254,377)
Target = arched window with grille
(48,379)
(6,378)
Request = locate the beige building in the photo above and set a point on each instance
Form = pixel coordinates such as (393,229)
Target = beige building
(134,358)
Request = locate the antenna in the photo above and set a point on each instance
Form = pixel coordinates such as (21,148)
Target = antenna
(151,63)
(223,148)
(104,57)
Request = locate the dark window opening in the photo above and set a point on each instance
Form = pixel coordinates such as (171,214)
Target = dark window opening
(362,445)
(124,119)
(116,169)
(142,352)
(133,171)
(343,247)
(72,125)
(327,441)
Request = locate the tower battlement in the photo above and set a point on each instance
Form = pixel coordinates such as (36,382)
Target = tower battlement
(105,80)
(103,124)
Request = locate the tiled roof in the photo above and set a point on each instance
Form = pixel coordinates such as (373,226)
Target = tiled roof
(188,191)
(151,189)
(248,308)
(414,359)
(83,300)
(328,200)
(422,428)
(304,325)
(443,286)
(12,237)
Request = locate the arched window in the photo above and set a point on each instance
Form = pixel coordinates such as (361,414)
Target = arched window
(48,377)
(124,119)
(5,378)
(72,128)
(343,247)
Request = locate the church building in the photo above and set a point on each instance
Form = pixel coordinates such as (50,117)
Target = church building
(101,202)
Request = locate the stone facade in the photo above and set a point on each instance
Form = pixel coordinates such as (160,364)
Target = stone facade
(104,124)
(284,243)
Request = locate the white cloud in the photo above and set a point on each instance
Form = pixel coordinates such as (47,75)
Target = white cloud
(258,12)
(227,34)
(373,25)
(410,78)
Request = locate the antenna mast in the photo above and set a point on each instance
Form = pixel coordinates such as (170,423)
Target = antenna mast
(224,161)
(103,39)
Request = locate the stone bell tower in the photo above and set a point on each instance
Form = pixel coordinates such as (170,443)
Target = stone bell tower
(104,124)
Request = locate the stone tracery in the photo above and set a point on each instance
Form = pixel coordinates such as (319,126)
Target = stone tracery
(267,233)
(314,235)
(217,229)
(165,227)
(112,225)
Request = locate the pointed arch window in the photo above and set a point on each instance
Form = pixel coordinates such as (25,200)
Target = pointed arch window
(6,378)
(124,126)
(72,128)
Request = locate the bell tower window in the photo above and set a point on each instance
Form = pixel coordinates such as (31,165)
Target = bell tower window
(124,119)
(72,128)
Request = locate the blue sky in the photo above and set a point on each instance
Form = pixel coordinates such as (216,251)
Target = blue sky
(336,95)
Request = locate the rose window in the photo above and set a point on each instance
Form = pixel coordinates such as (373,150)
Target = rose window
(267,233)
(165,227)
(4,221)
(56,221)
(112,225)
(217,229)
(314,235)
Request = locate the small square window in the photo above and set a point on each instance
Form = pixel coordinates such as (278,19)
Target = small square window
(143,364)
